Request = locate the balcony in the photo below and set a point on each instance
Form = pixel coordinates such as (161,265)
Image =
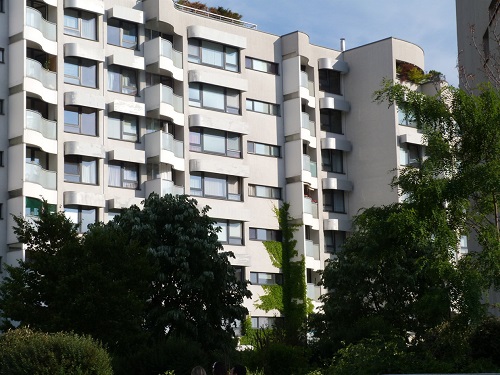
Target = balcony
(313,291)
(161,102)
(35,121)
(310,207)
(161,58)
(162,187)
(305,83)
(166,148)
(308,129)
(40,81)
(312,250)
(36,174)
(41,31)
(309,166)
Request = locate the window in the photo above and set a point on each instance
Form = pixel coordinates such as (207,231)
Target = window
(34,206)
(231,232)
(124,127)
(80,120)
(80,23)
(37,156)
(261,66)
(112,215)
(263,149)
(260,234)
(1,107)
(213,54)
(411,154)
(239,273)
(81,215)
(2,10)
(122,33)
(264,191)
(1,211)
(215,186)
(463,244)
(1,159)
(80,169)
(263,107)
(334,240)
(2,55)
(331,121)
(82,72)
(123,174)
(333,201)
(332,161)
(329,81)
(266,322)
(122,80)
(215,141)
(405,119)
(266,278)
(214,97)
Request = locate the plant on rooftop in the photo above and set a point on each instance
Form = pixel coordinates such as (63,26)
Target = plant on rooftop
(221,11)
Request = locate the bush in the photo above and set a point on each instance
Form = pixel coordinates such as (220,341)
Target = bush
(23,351)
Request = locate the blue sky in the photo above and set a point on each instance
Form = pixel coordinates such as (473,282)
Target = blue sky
(431,24)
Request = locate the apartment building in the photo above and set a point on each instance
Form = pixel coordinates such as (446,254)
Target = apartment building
(106,101)
(478,38)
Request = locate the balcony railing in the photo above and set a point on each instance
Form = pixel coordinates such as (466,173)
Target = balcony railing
(35,70)
(308,124)
(304,82)
(309,166)
(312,249)
(313,291)
(168,51)
(36,122)
(168,97)
(169,143)
(34,19)
(310,207)
(36,174)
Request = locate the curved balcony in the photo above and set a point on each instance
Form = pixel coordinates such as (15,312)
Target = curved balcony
(309,171)
(166,148)
(163,103)
(306,89)
(308,130)
(41,132)
(162,187)
(161,57)
(310,216)
(41,31)
(40,182)
(45,81)
(312,255)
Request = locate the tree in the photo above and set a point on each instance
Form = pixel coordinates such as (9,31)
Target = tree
(195,293)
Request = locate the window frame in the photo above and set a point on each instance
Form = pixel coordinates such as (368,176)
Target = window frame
(2,55)
(79,211)
(203,89)
(335,195)
(230,240)
(201,145)
(124,168)
(271,67)
(79,30)
(275,278)
(197,58)
(81,112)
(273,109)
(335,248)
(121,42)
(264,234)
(77,160)
(123,134)
(252,148)
(81,73)
(1,158)
(330,81)
(2,102)
(334,121)
(332,156)
(271,192)
(202,177)
(118,70)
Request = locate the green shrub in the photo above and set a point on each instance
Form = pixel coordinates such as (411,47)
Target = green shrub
(23,351)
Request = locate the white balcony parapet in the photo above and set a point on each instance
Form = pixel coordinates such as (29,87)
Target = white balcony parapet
(309,166)
(35,173)
(304,79)
(313,291)
(218,17)
(35,70)
(308,124)
(310,207)
(34,19)
(162,186)
(168,96)
(36,122)
(312,250)
(168,51)
(169,143)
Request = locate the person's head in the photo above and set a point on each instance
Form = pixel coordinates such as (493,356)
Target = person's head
(198,370)
(219,368)
(238,370)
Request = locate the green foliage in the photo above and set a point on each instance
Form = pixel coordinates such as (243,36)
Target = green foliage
(23,351)
(485,342)
(221,11)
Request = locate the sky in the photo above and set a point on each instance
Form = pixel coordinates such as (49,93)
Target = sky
(431,24)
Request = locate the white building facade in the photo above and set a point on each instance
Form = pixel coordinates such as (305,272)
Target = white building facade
(106,101)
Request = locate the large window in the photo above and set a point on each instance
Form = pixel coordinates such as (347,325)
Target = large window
(334,240)
(331,120)
(263,149)
(213,54)
(333,201)
(264,191)
(266,278)
(124,127)
(411,154)
(82,72)
(81,215)
(80,120)
(406,119)
(231,232)
(261,65)
(37,156)
(329,81)
(214,97)
(266,322)
(212,185)
(122,33)
(215,141)
(123,174)
(261,234)
(332,161)
(34,207)
(263,107)
(122,80)
(80,169)
(80,23)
